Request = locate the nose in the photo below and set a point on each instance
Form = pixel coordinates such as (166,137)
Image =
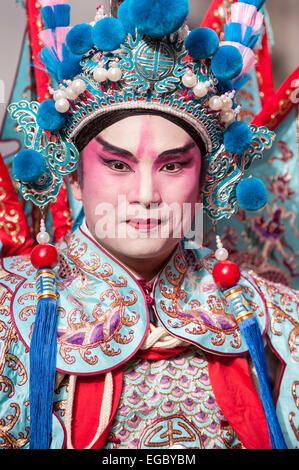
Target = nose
(147,190)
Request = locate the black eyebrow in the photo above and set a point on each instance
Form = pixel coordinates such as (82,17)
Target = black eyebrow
(119,151)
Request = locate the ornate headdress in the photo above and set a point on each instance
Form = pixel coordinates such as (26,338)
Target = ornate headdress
(144,61)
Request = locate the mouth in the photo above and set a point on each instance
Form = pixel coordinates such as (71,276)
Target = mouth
(144,224)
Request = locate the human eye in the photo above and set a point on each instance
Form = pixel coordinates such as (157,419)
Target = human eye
(117,165)
(174,167)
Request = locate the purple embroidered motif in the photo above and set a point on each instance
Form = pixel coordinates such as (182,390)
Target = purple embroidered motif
(76,338)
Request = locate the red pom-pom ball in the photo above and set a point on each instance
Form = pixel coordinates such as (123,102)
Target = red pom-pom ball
(226,273)
(44,256)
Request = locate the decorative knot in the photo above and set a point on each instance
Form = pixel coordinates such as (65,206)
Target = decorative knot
(147,289)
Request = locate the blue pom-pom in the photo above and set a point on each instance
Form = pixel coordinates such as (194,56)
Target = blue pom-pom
(108,34)
(237,138)
(79,39)
(257,3)
(28,166)
(202,43)
(251,194)
(48,118)
(227,63)
(158,18)
(123,16)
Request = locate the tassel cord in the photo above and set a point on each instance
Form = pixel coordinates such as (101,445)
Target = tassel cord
(249,328)
(42,373)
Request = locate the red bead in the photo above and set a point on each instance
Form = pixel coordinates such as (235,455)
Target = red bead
(44,256)
(226,273)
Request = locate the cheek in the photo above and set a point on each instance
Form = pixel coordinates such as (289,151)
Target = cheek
(100,185)
(94,186)
(183,188)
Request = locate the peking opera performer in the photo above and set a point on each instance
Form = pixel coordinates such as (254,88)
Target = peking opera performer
(126,334)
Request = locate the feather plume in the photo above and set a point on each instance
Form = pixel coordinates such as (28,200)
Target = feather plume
(247,15)
(56,17)
(241,30)
(52,54)
(60,40)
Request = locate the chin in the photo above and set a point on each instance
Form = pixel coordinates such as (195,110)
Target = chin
(141,248)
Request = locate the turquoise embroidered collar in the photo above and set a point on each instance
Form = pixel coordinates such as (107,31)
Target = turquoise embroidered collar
(103,313)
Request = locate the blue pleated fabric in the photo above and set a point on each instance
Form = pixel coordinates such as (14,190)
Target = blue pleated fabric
(43,349)
(250,330)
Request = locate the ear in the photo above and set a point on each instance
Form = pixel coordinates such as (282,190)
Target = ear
(76,188)
(201,184)
(200,196)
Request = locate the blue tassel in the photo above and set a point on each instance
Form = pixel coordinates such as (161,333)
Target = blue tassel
(250,330)
(43,348)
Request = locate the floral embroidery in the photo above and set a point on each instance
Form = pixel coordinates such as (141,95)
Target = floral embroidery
(283,333)
(201,315)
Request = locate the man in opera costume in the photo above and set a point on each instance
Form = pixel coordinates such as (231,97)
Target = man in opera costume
(129,333)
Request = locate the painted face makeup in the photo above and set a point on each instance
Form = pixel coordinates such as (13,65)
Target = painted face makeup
(139,175)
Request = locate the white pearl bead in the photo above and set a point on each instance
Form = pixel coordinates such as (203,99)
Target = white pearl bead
(70,93)
(114,74)
(189,79)
(227,116)
(215,103)
(200,90)
(100,74)
(59,95)
(62,105)
(221,254)
(42,237)
(78,86)
(226,103)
